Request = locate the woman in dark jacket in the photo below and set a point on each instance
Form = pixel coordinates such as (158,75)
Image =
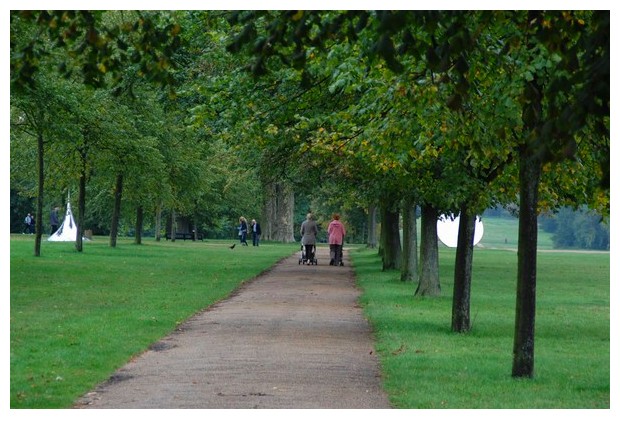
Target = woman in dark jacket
(309,231)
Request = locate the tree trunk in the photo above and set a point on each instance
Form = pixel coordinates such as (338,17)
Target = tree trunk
(279,213)
(523,350)
(391,247)
(40,181)
(382,239)
(79,224)
(116,213)
(372,227)
(530,168)
(429,254)
(173,225)
(409,267)
(195,228)
(139,223)
(158,223)
(287,215)
(461,321)
(269,210)
(79,244)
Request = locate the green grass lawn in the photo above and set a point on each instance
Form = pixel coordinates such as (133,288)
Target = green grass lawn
(425,365)
(76,317)
(503,233)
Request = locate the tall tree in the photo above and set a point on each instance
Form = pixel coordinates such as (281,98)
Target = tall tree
(564,50)
(31,116)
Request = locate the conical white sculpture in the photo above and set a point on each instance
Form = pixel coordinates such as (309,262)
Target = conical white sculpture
(68,230)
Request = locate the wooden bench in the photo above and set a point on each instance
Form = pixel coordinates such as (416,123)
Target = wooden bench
(184,236)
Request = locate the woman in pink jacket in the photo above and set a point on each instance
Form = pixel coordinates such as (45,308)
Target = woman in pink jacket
(336,233)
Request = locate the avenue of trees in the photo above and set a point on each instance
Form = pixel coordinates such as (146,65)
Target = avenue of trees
(209,115)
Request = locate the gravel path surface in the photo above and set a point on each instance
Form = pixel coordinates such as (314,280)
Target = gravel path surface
(292,338)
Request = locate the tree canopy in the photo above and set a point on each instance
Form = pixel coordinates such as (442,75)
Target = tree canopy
(199,117)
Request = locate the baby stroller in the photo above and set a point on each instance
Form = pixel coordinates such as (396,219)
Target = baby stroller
(308,255)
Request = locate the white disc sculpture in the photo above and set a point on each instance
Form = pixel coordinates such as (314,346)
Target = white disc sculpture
(448,230)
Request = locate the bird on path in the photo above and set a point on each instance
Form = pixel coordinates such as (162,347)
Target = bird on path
(233,246)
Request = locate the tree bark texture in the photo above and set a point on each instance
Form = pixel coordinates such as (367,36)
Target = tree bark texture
(428,284)
(158,222)
(79,224)
(194,227)
(372,227)
(530,168)
(173,225)
(38,228)
(139,223)
(409,266)
(269,210)
(381,230)
(116,212)
(392,254)
(279,213)
(523,350)
(461,321)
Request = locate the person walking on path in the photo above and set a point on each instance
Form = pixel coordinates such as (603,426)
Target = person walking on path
(309,231)
(54,219)
(256,232)
(336,233)
(243,231)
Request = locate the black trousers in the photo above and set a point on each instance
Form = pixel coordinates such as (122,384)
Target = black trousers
(309,250)
(335,254)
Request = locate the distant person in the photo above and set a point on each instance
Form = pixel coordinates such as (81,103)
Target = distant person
(309,231)
(29,221)
(336,233)
(256,232)
(54,219)
(243,231)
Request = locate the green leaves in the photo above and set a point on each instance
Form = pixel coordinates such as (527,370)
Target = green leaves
(95,48)
(413,98)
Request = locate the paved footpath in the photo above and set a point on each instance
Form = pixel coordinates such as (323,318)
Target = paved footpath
(292,338)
